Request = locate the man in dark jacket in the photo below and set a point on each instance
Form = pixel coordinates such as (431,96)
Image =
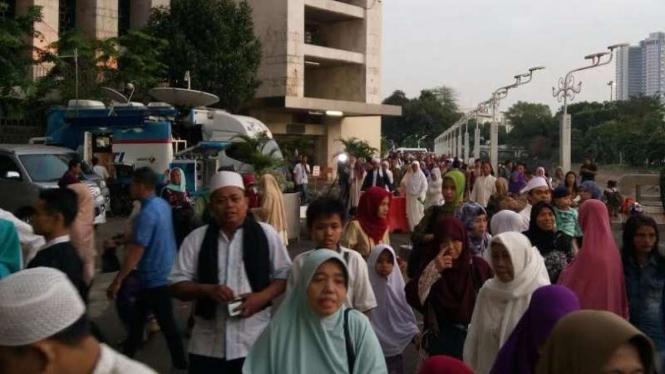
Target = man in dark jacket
(54,213)
(377,177)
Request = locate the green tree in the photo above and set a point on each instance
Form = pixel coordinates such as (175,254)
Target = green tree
(359,148)
(214,40)
(94,59)
(138,58)
(429,114)
(16,54)
(534,128)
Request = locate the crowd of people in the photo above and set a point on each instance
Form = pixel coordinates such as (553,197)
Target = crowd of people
(512,272)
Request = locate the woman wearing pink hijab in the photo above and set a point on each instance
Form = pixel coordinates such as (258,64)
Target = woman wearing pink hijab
(82,231)
(596,274)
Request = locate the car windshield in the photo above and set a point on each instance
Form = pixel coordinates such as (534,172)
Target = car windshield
(45,167)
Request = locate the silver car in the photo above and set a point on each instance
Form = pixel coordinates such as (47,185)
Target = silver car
(27,169)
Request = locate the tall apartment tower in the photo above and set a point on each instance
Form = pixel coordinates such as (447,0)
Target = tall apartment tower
(653,62)
(629,81)
(640,70)
(321,72)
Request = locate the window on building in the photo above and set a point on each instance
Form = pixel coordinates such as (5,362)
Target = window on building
(124,9)
(66,16)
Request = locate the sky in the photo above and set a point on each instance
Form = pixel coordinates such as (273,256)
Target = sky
(477,46)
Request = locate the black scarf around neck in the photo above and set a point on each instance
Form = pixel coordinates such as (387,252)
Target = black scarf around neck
(255,255)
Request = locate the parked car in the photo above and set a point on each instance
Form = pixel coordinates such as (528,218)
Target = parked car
(27,169)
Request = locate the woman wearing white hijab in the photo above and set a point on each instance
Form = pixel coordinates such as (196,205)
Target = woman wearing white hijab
(507,221)
(519,271)
(434,193)
(416,189)
(393,320)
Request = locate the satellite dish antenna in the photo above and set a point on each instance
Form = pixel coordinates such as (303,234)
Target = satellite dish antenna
(183,97)
(115,95)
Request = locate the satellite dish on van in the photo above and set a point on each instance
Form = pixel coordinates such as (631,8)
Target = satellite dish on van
(115,95)
(183,96)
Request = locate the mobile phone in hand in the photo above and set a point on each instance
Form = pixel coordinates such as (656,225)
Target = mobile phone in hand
(233,305)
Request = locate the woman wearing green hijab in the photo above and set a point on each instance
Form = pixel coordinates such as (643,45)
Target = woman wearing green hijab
(453,195)
(313,332)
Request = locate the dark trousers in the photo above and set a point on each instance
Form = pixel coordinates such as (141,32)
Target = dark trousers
(302,189)
(451,341)
(159,301)
(210,365)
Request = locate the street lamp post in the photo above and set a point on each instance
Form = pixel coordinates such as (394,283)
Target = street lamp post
(497,96)
(611,84)
(75,56)
(421,138)
(567,90)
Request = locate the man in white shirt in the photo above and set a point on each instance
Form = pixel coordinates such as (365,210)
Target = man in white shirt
(99,169)
(30,242)
(536,190)
(300,178)
(43,325)
(233,269)
(485,185)
(325,222)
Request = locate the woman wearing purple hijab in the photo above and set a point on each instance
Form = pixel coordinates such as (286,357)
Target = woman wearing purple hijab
(521,352)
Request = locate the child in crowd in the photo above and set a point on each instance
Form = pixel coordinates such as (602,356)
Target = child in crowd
(566,217)
(613,198)
(325,221)
(393,320)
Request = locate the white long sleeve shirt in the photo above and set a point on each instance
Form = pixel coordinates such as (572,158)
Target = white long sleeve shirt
(483,189)
(300,172)
(226,337)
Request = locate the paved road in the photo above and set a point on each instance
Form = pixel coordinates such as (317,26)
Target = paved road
(155,352)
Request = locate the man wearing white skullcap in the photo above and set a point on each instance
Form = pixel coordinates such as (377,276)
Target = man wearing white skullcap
(44,329)
(536,190)
(232,268)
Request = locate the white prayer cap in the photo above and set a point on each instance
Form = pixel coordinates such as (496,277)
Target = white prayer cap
(226,179)
(535,182)
(36,304)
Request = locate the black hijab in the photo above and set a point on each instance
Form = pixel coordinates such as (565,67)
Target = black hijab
(545,241)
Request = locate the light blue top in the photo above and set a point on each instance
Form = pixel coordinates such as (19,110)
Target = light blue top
(10,249)
(153,230)
(299,341)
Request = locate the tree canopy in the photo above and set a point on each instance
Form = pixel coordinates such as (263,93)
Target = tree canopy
(15,53)
(429,115)
(214,40)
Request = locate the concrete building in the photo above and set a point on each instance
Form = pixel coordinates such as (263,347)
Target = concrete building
(99,19)
(321,72)
(653,62)
(629,81)
(640,70)
(321,66)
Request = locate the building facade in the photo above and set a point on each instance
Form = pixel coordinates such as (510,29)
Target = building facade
(321,72)
(640,70)
(99,19)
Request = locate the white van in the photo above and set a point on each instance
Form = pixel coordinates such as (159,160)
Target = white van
(221,126)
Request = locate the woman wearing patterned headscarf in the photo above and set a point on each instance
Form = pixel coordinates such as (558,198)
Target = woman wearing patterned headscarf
(474,217)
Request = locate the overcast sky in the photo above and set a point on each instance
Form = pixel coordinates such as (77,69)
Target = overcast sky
(476,46)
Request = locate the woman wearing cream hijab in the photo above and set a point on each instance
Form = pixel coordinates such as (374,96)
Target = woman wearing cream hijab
(272,206)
